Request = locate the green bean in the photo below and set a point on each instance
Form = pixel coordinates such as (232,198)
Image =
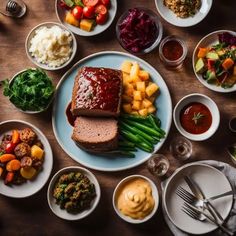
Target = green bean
(122,153)
(145,141)
(126,143)
(131,137)
(152,121)
(134,130)
(157,121)
(133,117)
(144,147)
(131,149)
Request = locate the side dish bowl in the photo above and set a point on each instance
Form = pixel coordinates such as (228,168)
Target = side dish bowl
(209,40)
(207,102)
(170,17)
(31,186)
(121,185)
(32,33)
(62,213)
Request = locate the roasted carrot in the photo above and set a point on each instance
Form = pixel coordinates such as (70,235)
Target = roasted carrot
(1,171)
(13,165)
(9,177)
(227,63)
(7,157)
(202,52)
(15,136)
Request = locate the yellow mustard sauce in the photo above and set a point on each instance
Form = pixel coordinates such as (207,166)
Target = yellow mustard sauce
(135,199)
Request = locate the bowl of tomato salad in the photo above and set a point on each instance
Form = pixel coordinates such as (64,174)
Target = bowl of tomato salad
(86,17)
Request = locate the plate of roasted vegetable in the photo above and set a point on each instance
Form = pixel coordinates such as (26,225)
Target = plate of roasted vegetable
(73,193)
(25,159)
(214,61)
(86,17)
(112,110)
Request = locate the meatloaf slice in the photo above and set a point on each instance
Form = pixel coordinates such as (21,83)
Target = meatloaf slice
(97,92)
(96,134)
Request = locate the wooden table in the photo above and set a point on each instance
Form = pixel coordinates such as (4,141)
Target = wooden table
(32,216)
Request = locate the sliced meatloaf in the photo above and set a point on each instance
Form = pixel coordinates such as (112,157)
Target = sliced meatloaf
(97,92)
(96,134)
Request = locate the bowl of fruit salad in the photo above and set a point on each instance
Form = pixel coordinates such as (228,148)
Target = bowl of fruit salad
(214,61)
(86,17)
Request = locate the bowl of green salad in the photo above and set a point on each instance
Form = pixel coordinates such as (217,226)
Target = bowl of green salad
(30,91)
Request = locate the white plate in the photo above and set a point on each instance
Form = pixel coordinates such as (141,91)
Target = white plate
(170,17)
(31,186)
(63,213)
(211,181)
(63,130)
(97,29)
(207,41)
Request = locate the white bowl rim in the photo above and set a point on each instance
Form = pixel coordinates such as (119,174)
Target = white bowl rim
(91,33)
(211,86)
(205,135)
(44,66)
(95,182)
(155,194)
(49,154)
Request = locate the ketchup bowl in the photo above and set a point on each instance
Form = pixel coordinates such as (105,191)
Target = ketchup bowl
(196,117)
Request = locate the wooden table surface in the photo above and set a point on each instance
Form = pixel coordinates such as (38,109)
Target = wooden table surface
(32,216)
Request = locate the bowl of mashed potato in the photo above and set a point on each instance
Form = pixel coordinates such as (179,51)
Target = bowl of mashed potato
(50,46)
(135,199)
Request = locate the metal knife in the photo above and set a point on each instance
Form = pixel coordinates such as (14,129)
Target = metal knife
(200,195)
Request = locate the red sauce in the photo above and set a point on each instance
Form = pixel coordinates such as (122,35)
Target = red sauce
(172,50)
(195,126)
(70,117)
(99,88)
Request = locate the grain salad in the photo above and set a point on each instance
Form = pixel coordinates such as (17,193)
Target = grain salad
(183,8)
(51,46)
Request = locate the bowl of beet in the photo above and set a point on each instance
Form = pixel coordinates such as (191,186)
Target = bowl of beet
(139,30)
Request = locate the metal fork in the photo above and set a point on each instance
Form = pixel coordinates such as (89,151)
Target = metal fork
(190,198)
(199,214)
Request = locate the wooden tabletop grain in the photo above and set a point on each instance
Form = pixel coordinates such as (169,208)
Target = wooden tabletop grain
(32,216)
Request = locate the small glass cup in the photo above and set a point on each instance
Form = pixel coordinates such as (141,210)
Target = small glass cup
(181,148)
(173,49)
(13,8)
(158,165)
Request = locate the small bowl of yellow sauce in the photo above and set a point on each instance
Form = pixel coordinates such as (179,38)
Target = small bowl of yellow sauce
(135,199)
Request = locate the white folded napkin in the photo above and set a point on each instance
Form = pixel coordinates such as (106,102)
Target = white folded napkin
(230,223)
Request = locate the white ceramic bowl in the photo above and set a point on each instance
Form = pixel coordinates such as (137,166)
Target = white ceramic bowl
(28,111)
(63,213)
(170,17)
(97,29)
(207,41)
(154,194)
(209,103)
(31,186)
(42,65)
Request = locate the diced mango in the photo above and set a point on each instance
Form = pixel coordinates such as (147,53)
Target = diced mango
(28,173)
(86,24)
(127,107)
(151,109)
(37,152)
(151,89)
(136,105)
(134,71)
(70,19)
(137,95)
(140,86)
(134,113)
(129,90)
(144,75)
(146,103)
(143,112)
(126,66)
(126,78)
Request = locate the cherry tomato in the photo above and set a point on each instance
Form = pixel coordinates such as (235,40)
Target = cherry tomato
(77,12)
(10,147)
(106,3)
(88,12)
(90,3)
(101,19)
(101,9)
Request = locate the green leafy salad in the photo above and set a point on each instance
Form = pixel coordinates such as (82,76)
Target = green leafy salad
(31,90)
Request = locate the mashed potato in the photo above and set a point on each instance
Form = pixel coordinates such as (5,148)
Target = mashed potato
(51,46)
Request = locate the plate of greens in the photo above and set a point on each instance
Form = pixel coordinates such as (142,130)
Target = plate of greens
(30,90)
(214,61)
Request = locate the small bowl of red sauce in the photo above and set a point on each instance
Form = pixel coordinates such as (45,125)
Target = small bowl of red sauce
(196,116)
(172,51)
